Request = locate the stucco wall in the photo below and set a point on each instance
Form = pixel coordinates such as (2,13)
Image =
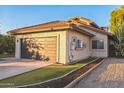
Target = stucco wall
(64,50)
(78,54)
(61,43)
(100,52)
(98,36)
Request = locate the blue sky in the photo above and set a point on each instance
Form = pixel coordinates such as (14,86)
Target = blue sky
(12,17)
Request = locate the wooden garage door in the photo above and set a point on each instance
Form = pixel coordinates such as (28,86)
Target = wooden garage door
(39,48)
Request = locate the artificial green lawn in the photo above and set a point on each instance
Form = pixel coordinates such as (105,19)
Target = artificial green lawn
(42,74)
(6,55)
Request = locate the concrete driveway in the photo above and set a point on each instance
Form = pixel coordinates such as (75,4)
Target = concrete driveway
(110,74)
(11,67)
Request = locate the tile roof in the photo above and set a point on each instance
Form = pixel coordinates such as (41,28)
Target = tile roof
(35,28)
(54,25)
(95,29)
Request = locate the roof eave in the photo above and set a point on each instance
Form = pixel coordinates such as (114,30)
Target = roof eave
(74,27)
(97,30)
(16,32)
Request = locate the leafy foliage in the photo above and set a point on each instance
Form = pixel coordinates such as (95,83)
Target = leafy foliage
(7,44)
(117,18)
(117,28)
(119,40)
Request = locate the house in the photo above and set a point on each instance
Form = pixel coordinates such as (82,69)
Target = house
(62,41)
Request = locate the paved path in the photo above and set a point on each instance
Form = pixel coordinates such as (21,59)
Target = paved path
(12,68)
(110,74)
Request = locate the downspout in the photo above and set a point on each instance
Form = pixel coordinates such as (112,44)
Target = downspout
(69,48)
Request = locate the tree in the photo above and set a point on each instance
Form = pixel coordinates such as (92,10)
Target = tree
(7,44)
(117,28)
(117,18)
(119,40)
(1,44)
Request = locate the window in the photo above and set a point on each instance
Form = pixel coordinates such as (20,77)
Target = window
(94,44)
(73,43)
(97,44)
(100,44)
(79,43)
(74,40)
(83,44)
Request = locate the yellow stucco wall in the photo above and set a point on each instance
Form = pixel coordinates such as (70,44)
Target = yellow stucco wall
(61,43)
(100,52)
(64,51)
(78,54)
(98,36)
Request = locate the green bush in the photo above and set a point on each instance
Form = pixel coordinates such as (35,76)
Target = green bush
(7,44)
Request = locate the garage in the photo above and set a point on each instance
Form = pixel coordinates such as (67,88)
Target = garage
(39,48)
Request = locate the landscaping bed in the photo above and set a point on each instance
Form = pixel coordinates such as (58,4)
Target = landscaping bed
(66,79)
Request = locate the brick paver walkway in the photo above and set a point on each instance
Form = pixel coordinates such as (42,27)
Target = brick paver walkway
(110,74)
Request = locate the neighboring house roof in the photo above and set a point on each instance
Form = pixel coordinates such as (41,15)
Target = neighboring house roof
(86,23)
(73,23)
(83,20)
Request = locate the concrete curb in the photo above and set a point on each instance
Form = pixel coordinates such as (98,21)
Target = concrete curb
(55,78)
(74,82)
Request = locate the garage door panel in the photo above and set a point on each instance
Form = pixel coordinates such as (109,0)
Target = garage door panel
(51,43)
(50,47)
(39,48)
(52,58)
(50,50)
(50,39)
(51,55)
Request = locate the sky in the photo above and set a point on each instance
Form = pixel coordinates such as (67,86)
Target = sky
(12,17)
